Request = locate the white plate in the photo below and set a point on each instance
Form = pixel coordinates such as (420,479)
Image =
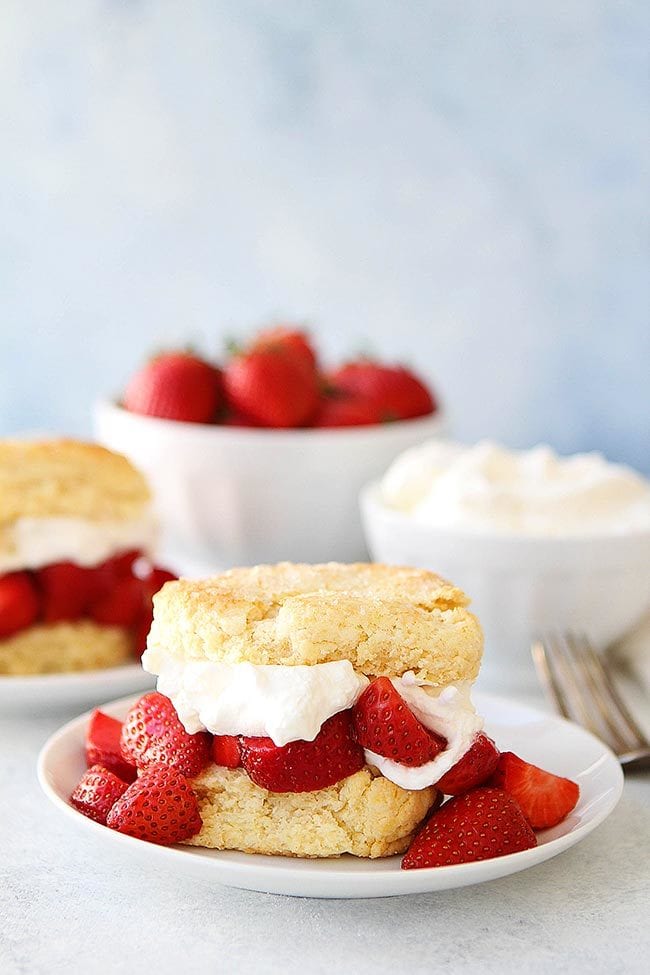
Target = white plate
(548,741)
(49,692)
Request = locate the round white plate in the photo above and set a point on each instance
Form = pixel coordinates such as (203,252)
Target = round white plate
(548,741)
(49,692)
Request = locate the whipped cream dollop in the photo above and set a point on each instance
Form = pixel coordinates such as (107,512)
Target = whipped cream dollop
(449,712)
(261,700)
(487,488)
(30,543)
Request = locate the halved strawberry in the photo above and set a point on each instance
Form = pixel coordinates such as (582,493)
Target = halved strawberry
(226,751)
(19,603)
(479,825)
(545,799)
(153,734)
(159,807)
(474,768)
(103,577)
(103,745)
(304,766)
(97,792)
(384,723)
(140,631)
(65,590)
(153,580)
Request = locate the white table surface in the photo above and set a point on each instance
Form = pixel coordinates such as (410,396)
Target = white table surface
(66,908)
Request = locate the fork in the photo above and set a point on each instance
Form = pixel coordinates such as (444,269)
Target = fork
(577,682)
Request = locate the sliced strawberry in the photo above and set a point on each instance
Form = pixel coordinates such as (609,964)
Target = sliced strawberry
(66,589)
(153,734)
(478,825)
(474,768)
(159,807)
(226,751)
(97,792)
(19,603)
(304,766)
(140,632)
(154,579)
(103,746)
(121,605)
(384,723)
(545,799)
(103,577)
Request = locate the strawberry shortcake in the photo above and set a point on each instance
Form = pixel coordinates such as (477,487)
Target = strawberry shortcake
(313,711)
(76,531)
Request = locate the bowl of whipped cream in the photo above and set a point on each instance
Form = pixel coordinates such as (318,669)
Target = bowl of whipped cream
(538,541)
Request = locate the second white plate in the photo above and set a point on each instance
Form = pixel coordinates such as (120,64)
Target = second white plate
(546,740)
(50,692)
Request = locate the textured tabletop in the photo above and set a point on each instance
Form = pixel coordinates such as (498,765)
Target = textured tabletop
(65,907)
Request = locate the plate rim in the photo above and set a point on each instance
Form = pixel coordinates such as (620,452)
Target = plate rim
(241,873)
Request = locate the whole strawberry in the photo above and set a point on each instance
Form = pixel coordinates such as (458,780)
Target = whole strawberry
(384,723)
(343,410)
(273,389)
(545,799)
(152,734)
(304,766)
(176,386)
(97,792)
(292,341)
(159,807)
(394,391)
(478,825)
(472,769)
(19,603)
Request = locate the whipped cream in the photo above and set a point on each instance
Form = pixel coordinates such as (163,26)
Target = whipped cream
(449,712)
(261,700)
(30,543)
(487,488)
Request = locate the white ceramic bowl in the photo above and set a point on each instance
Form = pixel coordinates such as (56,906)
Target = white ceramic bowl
(522,586)
(239,496)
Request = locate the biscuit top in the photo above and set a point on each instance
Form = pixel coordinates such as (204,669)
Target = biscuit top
(383,619)
(67,478)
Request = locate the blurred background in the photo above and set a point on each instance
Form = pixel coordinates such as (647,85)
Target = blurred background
(459,185)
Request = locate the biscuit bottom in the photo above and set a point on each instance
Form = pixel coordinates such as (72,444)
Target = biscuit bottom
(57,647)
(364,814)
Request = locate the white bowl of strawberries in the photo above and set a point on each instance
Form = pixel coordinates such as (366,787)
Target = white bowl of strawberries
(262,458)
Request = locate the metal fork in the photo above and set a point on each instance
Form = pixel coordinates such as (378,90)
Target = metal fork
(578,683)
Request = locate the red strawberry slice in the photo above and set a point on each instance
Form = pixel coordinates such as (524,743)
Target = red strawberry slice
(19,603)
(545,799)
(226,751)
(97,792)
(159,807)
(121,605)
(152,734)
(66,589)
(384,723)
(474,768)
(154,579)
(141,632)
(304,766)
(176,386)
(103,746)
(478,825)
(103,578)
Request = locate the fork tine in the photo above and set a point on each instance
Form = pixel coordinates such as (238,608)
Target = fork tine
(578,700)
(603,686)
(548,678)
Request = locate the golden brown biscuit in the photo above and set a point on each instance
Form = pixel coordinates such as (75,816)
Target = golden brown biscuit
(67,478)
(383,619)
(365,815)
(57,647)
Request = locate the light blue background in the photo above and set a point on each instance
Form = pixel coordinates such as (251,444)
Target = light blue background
(461,184)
